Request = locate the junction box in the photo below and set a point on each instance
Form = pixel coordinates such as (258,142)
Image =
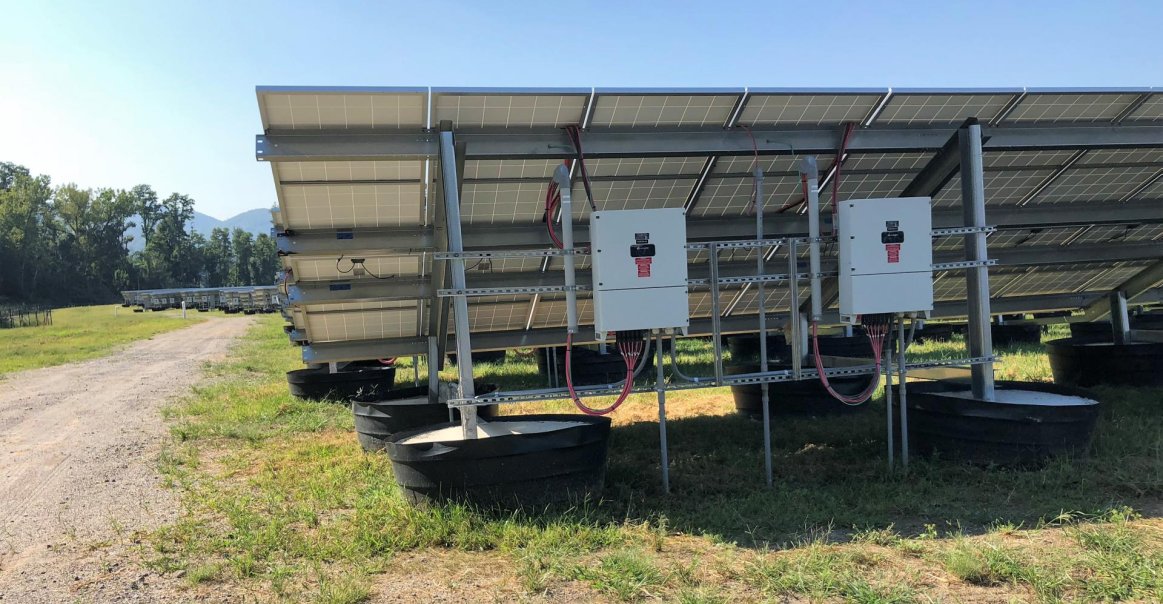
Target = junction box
(639,270)
(886,256)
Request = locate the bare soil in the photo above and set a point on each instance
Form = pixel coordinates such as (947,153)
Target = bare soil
(78,468)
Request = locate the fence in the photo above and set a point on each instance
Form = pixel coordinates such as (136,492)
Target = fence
(24,316)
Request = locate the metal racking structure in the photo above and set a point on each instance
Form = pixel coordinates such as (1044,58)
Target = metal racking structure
(411,219)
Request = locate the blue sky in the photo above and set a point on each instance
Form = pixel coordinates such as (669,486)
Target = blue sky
(162,92)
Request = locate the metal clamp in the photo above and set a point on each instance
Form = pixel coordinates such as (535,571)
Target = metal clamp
(509,254)
(505,291)
(949,266)
(962,231)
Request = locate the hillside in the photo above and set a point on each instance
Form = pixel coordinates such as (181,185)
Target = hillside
(254,221)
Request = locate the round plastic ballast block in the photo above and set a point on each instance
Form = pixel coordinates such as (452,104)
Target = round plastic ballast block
(1088,361)
(521,461)
(402,410)
(802,397)
(1025,424)
(320,384)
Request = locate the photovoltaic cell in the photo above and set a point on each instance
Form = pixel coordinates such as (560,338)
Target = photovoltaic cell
(346,171)
(337,109)
(775,109)
(349,206)
(1001,187)
(318,269)
(482,109)
(653,110)
(1150,111)
(730,196)
(493,169)
(363,325)
(1069,107)
(1094,184)
(658,166)
(914,109)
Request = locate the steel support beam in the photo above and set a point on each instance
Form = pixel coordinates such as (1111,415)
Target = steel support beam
(450,182)
(1120,318)
(611,143)
(375,349)
(938,172)
(373,290)
(330,243)
(977,279)
(1146,279)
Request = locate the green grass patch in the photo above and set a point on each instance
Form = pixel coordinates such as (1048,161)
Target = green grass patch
(81,333)
(276,492)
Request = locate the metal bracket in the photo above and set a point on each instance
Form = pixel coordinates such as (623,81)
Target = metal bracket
(949,266)
(505,291)
(962,231)
(510,254)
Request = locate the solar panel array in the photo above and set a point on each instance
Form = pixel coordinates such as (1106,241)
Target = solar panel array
(334,195)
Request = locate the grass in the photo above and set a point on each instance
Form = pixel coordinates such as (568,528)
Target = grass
(278,498)
(81,333)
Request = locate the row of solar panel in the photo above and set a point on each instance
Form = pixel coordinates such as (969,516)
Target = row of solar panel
(315,108)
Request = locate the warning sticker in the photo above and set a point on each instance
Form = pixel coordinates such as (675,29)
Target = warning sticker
(643,266)
(894,252)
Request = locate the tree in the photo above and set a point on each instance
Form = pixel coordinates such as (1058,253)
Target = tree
(168,249)
(265,262)
(219,258)
(243,253)
(25,229)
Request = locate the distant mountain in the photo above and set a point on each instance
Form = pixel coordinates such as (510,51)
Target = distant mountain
(254,221)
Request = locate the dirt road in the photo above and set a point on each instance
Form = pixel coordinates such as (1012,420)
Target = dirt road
(78,467)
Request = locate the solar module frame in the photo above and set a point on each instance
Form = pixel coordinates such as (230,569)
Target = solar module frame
(511,191)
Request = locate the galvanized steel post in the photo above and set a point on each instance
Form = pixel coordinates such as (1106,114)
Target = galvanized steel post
(976,278)
(468,414)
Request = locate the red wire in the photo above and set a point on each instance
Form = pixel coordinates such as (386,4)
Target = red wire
(754,162)
(630,353)
(848,128)
(877,342)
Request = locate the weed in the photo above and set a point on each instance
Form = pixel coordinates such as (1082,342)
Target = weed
(627,575)
(81,333)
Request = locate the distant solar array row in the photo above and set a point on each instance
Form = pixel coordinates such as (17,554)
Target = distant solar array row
(246,299)
(1074,182)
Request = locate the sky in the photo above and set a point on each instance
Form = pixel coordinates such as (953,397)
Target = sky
(118,93)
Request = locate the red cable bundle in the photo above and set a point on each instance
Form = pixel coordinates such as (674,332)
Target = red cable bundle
(876,329)
(630,348)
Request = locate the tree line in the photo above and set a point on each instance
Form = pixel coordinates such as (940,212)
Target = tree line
(68,245)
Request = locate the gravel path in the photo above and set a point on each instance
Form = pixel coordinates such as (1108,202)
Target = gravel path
(78,468)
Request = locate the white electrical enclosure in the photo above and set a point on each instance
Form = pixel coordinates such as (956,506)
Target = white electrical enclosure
(886,256)
(639,270)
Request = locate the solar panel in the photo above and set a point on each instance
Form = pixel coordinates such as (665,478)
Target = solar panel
(1094,184)
(494,169)
(653,166)
(340,171)
(727,197)
(634,195)
(1150,111)
(508,108)
(356,194)
(775,107)
(322,269)
(616,107)
(920,107)
(314,109)
(1053,106)
(1001,188)
(361,325)
(502,203)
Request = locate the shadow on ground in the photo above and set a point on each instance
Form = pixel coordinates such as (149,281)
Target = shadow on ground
(831,477)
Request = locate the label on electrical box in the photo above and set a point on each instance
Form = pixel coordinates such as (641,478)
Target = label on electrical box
(892,238)
(643,254)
